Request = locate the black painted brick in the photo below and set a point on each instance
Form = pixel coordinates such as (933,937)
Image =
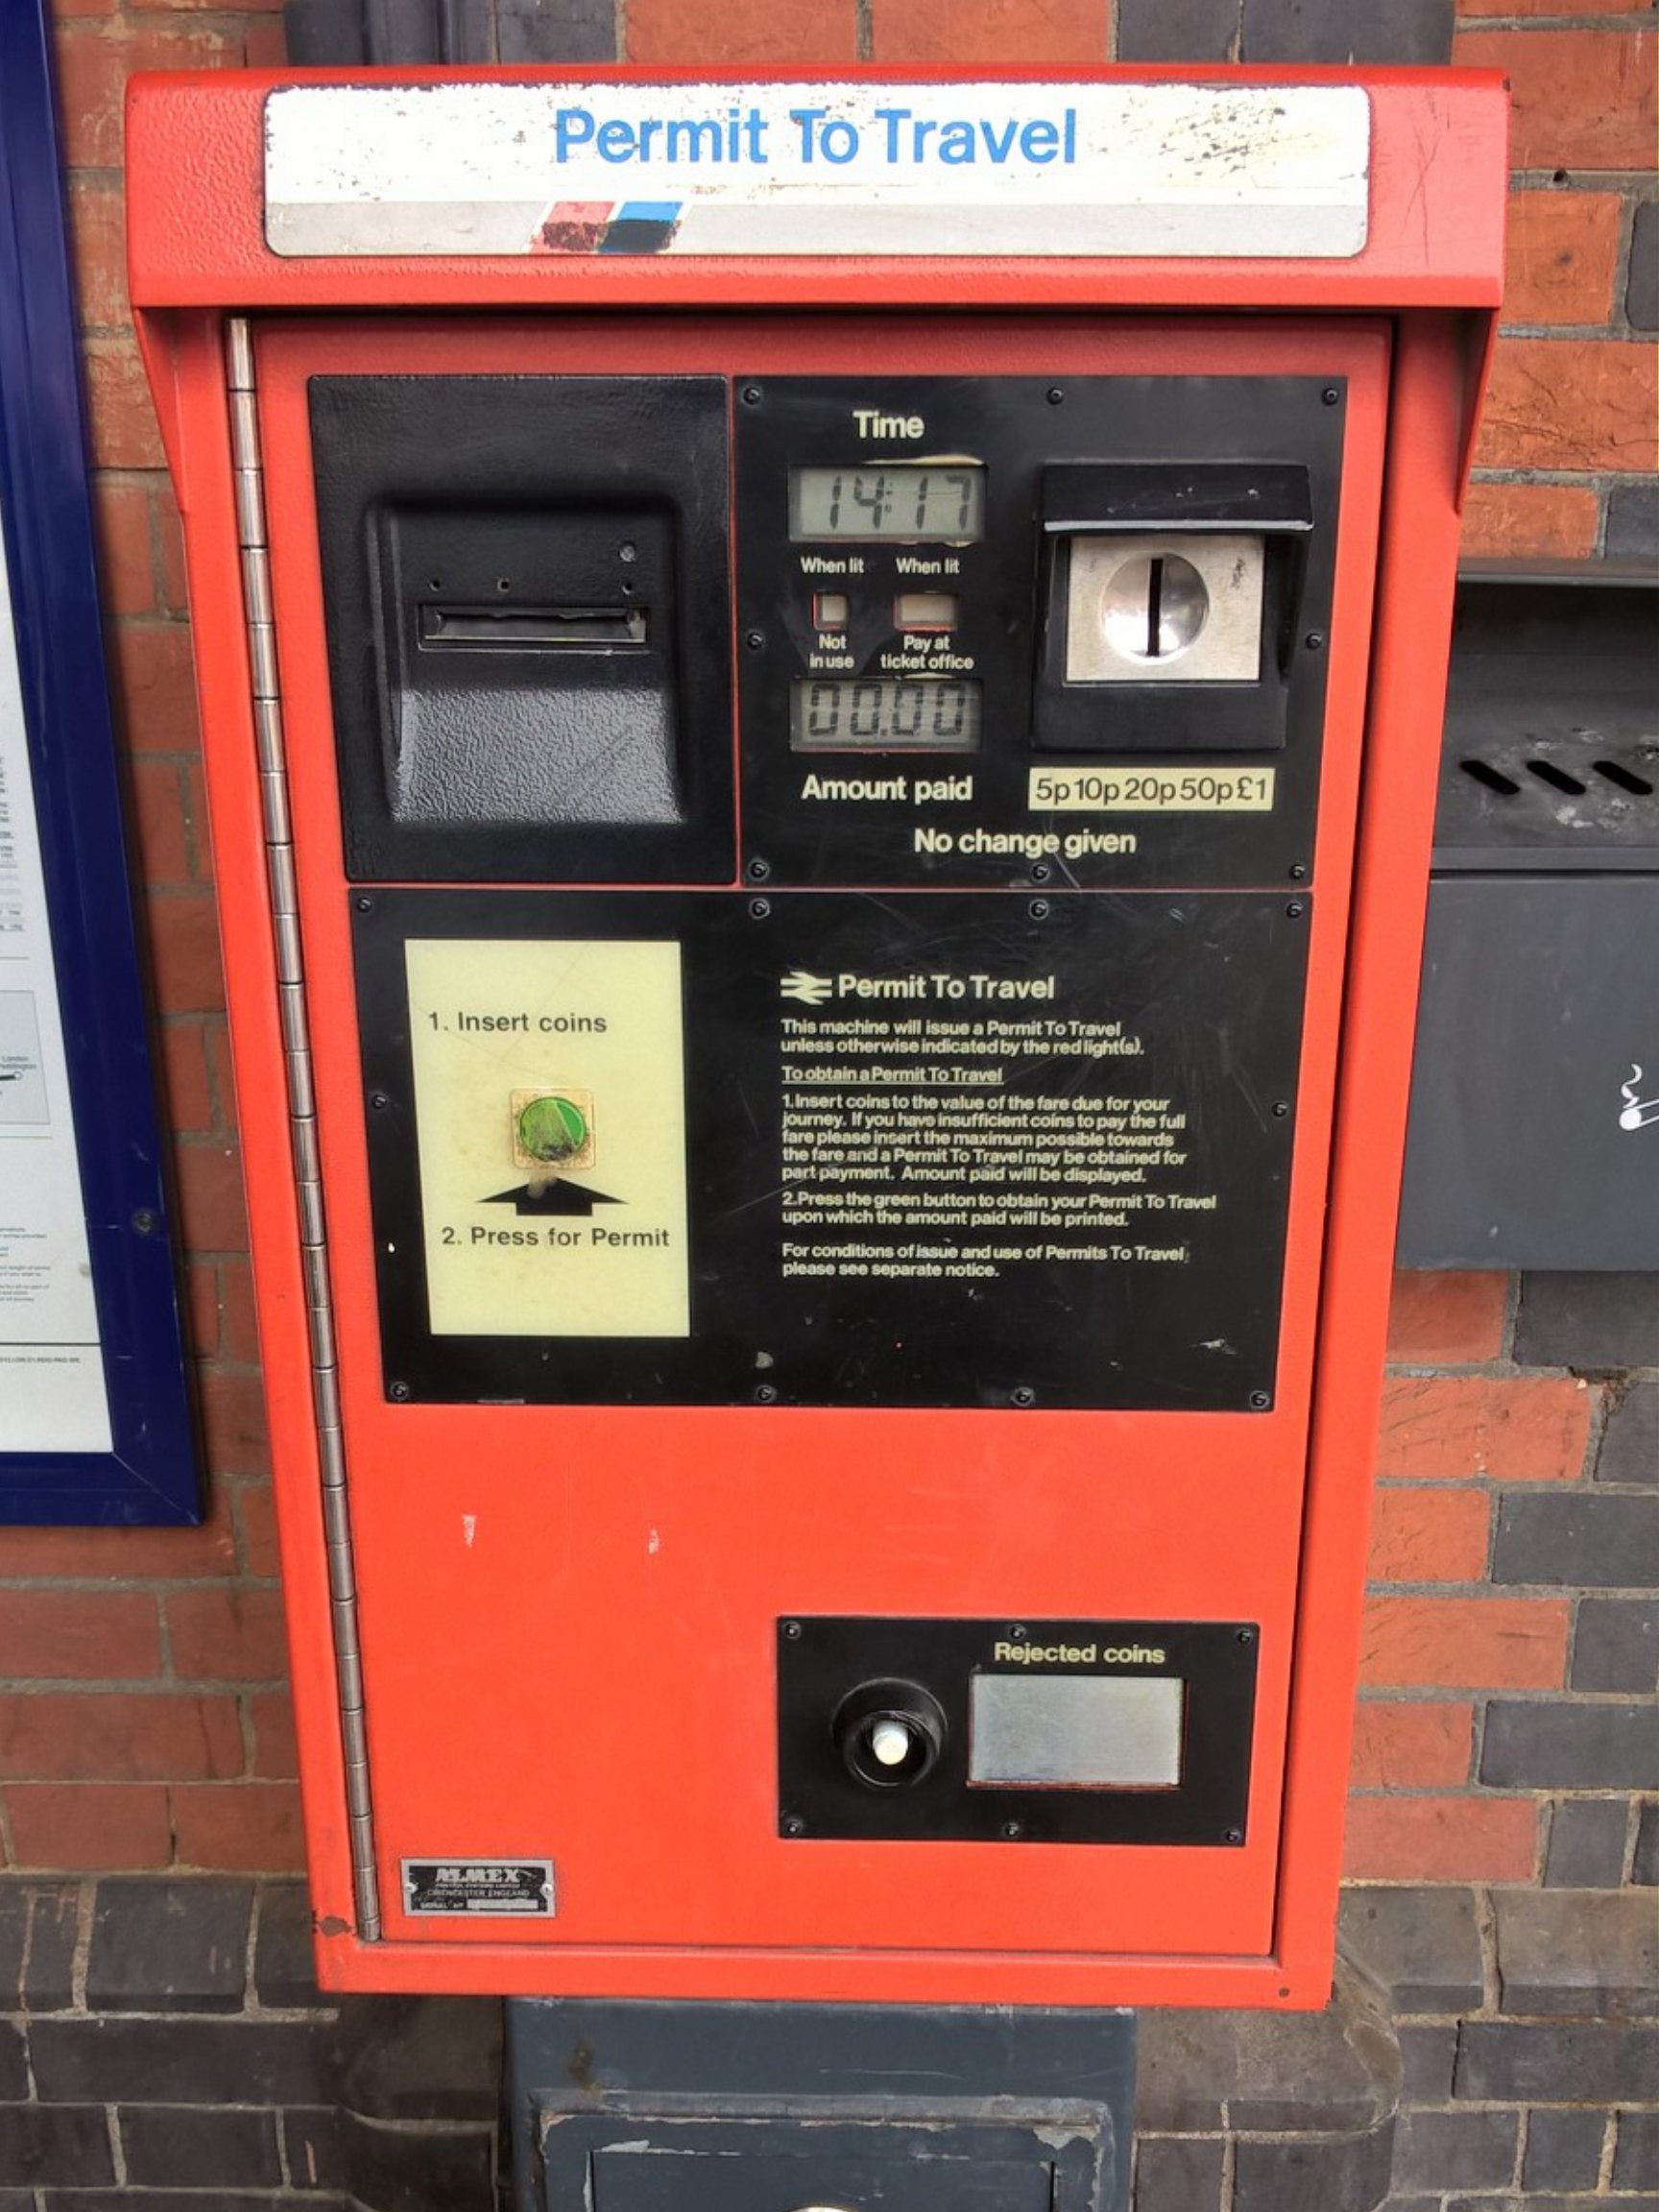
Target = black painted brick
(1312,2175)
(1553,1744)
(284,1979)
(556,30)
(402,2168)
(1456,2150)
(1590,1538)
(1616,1645)
(1427,2053)
(1630,1440)
(1582,1952)
(54,1932)
(14,2065)
(161,1946)
(67,2143)
(1558,2062)
(1341,31)
(1177,30)
(1178,2175)
(1645,1870)
(1422,1945)
(1564,2149)
(122,2061)
(311,2145)
(1641,293)
(421,2057)
(1587,1844)
(171,2200)
(1595,1322)
(183,2147)
(1535,2204)
(1633,531)
(1636,2150)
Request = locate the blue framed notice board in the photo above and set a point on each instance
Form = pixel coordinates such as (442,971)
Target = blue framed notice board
(94,1411)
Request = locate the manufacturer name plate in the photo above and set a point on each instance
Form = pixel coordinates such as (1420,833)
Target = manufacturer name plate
(498,1889)
(1061,170)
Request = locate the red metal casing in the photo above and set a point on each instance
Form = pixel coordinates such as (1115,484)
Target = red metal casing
(510,1560)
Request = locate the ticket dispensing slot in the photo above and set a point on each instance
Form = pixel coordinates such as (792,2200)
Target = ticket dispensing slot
(531,669)
(1170,596)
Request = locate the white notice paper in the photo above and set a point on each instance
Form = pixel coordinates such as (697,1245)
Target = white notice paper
(52,1391)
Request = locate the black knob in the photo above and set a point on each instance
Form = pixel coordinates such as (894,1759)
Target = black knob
(889,1733)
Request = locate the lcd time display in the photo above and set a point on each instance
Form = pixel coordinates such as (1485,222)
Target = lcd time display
(931,502)
(885,714)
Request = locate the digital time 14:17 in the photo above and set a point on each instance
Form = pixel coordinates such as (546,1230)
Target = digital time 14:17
(935,502)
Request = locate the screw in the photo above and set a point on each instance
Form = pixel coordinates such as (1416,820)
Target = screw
(1280,1107)
(397,1390)
(765,1394)
(1260,1401)
(1246,1635)
(1012,1831)
(365,906)
(1313,641)
(1233,1835)
(1017,1632)
(760,870)
(754,639)
(1038,909)
(1040,872)
(1021,1394)
(794,1825)
(1295,910)
(1330,395)
(628,552)
(750,395)
(759,908)
(1298,871)
(378,1100)
(146,1222)
(1056,396)
(792,1630)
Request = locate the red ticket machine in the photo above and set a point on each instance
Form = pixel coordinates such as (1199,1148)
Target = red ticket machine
(820,709)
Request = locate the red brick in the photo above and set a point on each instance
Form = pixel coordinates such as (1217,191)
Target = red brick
(1464,1643)
(159,818)
(201,1308)
(170,546)
(78,1635)
(1423,1746)
(739,31)
(223,1089)
(257,1519)
(1512,1428)
(162,1554)
(226,1634)
(238,1330)
(126,552)
(118,1736)
(88,1827)
(265,45)
(1563,256)
(1583,99)
(1441,1839)
(182,933)
(124,432)
(93,66)
(189,1095)
(233,1421)
(211,1213)
(98,227)
(1429,1536)
(83,6)
(1447,1321)
(1580,403)
(1031,34)
(247,1827)
(155,687)
(1509,521)
(275,1755)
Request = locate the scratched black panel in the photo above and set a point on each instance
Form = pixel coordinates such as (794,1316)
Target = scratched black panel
(952,1149)
(823,1662)
(1025,433)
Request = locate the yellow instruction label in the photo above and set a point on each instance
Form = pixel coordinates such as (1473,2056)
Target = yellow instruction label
(1150,790)
(550,1114)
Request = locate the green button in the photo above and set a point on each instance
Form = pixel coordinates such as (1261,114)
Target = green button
(552,1129)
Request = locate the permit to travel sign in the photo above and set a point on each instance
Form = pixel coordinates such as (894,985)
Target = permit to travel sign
(1119,170)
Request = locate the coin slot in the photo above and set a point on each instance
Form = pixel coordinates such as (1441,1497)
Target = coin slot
(532,629)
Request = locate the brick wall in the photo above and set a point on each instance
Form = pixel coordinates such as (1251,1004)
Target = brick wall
(1507,1740)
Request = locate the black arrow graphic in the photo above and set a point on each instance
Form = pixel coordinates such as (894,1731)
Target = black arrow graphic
(554,1197)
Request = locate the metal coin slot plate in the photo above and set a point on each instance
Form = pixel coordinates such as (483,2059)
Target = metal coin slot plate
(1126,623)
(1079,1731)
